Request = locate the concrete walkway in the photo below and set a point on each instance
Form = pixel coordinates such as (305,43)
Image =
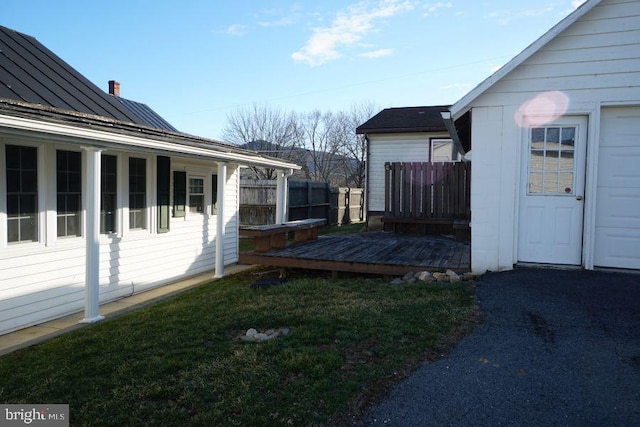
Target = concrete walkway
(37,334)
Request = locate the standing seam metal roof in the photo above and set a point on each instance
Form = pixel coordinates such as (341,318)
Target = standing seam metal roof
(32,73)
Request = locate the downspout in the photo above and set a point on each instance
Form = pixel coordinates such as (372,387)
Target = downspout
(451,128)
(366,180)
(220,229)
(282,196)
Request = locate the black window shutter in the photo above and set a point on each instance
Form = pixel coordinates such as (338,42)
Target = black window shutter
(179,193)
(214,193)
(163,181)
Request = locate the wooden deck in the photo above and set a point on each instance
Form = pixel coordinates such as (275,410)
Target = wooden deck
(373,252)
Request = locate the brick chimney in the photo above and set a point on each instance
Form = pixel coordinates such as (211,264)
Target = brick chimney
(114,88)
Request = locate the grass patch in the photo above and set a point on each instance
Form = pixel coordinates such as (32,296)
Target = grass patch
(181,362)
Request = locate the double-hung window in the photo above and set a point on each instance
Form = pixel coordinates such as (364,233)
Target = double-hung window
(108,193)
(22,193)
(69,192)
(196,195)
(137,193)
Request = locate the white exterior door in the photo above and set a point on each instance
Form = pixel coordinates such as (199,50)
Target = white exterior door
(551,204)
(617,236)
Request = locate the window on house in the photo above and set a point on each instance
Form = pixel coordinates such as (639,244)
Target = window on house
(196,195)
(108,193)
(137,193)
(22,193)
(69,192)
(551,160)
(442,150)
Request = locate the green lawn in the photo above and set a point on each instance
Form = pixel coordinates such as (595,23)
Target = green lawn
(181,362)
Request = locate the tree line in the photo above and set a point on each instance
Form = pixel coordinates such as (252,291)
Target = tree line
(324,144)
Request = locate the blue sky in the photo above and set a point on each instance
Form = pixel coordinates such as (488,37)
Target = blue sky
(195,61)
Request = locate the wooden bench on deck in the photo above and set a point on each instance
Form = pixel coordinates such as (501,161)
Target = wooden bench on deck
(274,236)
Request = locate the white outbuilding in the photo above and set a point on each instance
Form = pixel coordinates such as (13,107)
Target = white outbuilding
(555,135)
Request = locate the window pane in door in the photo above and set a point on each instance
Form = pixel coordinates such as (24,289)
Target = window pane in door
(566,161)
(550,183)
(551,160)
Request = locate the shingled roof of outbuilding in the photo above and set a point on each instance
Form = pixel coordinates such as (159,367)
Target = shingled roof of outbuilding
(406,119)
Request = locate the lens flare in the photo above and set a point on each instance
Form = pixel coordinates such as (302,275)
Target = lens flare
(542,109)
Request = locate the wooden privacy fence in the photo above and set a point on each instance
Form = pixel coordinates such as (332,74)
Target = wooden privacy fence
(420,191)
(306,200)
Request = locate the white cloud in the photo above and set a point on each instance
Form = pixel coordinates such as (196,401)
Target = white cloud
(236,30)
(577,3)
(348,28)
(505,17)
(431,9)
(377,53)
(280,18)
(463,86)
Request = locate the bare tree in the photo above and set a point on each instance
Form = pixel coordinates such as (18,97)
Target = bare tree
(355,146)
(320,134)
(267,130)
(324,144)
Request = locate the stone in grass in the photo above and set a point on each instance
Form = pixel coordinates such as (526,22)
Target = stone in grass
(467,276)
(425,276)
(397,281)
(444,279)
(453,276)
(408,276)
(252,335)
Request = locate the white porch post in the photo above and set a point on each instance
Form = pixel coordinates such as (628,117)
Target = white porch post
(92,236)
(220,232)
(281,197)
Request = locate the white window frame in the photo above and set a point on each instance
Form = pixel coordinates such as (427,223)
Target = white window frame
(203,194)
(124,196)
(82,214)
(441,142)
(42,205)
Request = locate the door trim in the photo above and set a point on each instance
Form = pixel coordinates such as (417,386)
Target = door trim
(584,120)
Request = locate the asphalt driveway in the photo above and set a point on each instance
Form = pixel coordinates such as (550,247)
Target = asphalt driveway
(556,348)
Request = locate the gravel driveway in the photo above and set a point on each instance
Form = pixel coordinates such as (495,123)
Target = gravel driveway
(557,348)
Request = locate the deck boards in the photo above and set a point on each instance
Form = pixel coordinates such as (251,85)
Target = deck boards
(373,252)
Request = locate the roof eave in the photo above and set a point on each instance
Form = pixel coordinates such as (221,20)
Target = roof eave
(399,130)
(463,105)
(168,142)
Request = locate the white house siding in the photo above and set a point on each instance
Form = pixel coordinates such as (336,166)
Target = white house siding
(595,61)
(46,280)
(393,147)
(38,282)
(142,260)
